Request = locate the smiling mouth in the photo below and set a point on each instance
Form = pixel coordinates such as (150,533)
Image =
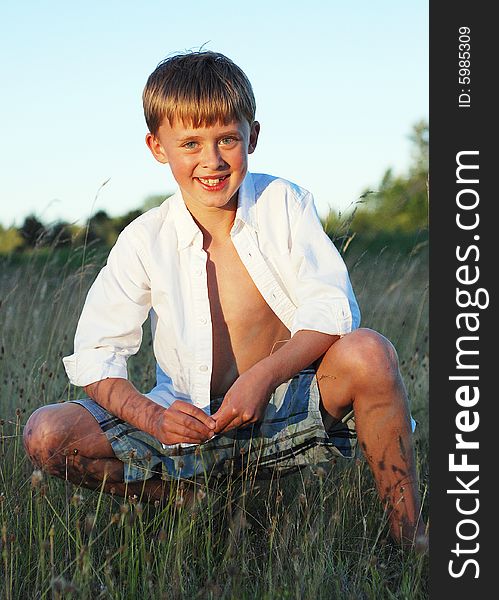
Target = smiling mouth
(211,181)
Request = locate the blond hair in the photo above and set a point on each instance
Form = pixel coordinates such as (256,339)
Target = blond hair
(199,89)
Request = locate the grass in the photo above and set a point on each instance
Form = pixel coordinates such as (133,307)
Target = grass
(320,533)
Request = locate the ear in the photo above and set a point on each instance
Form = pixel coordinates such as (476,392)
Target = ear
(156,148)
(253,139)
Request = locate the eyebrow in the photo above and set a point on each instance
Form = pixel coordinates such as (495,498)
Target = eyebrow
(198,137)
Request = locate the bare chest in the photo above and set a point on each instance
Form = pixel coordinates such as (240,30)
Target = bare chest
(245,328)
(234,297)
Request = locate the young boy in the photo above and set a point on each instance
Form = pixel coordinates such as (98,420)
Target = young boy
(255,325)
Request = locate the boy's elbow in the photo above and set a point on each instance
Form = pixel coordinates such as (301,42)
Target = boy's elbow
(88,389)
(92,389)
(104,387)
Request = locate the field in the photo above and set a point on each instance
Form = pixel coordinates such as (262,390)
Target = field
(318,534)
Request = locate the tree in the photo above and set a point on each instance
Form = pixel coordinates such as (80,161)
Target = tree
(401,202)
(58,234)
(10,240)
(99,229)
(399,205)
(33,232)
(105,229)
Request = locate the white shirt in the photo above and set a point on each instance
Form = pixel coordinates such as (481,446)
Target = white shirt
(158,267)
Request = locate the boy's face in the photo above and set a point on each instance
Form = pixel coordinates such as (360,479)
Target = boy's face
(208,163)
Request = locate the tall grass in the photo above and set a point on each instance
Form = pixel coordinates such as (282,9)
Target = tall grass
(320,533)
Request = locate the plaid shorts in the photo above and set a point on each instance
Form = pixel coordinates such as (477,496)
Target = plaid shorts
(290,436)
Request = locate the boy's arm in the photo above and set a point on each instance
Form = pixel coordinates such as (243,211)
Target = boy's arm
(247,399)
(181,422)
(323,294)
(304,348)
(109,331)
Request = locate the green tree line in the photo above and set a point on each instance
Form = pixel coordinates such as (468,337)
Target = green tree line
(395,212)
(101,229)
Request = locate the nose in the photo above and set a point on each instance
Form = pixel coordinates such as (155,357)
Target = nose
(212,158)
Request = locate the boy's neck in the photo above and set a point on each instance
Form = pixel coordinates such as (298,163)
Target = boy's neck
(215,223)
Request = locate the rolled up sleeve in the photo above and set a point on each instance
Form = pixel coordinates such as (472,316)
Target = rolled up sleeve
(110,327)
(325,298)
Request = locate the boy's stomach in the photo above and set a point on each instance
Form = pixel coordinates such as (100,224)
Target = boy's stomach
(238,347)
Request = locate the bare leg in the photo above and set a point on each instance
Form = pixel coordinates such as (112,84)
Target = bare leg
(107,474)
(361,370)
(65,441)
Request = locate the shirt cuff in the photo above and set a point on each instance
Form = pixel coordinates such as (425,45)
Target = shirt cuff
(331,318)
(88,366)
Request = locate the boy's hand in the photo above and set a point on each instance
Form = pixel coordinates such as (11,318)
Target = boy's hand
(246,400)
(184,423)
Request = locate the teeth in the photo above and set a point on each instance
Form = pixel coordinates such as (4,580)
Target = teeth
(211,181)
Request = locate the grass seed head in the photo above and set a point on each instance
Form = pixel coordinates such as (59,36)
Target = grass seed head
(61,586)
(421,544)
(320,472)
(36,478)
(89,523)
(76,499)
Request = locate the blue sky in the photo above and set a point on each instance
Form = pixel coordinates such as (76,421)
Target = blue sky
(338,87)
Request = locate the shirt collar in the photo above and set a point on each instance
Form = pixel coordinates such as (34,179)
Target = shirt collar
(186,226)
(246,207)
(182,219)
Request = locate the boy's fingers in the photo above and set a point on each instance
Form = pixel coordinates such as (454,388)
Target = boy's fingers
(185,434)
(197,413)
(225,419)
(186,424)
(233,424)
(226,428)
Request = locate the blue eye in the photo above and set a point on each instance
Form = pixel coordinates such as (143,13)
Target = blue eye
(190,145)
(228,140)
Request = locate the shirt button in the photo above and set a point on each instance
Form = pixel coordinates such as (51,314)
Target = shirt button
(203,320)
(199,271)
(203,368)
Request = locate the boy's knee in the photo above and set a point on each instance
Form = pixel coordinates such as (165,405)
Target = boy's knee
(42,437)
(369,355)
